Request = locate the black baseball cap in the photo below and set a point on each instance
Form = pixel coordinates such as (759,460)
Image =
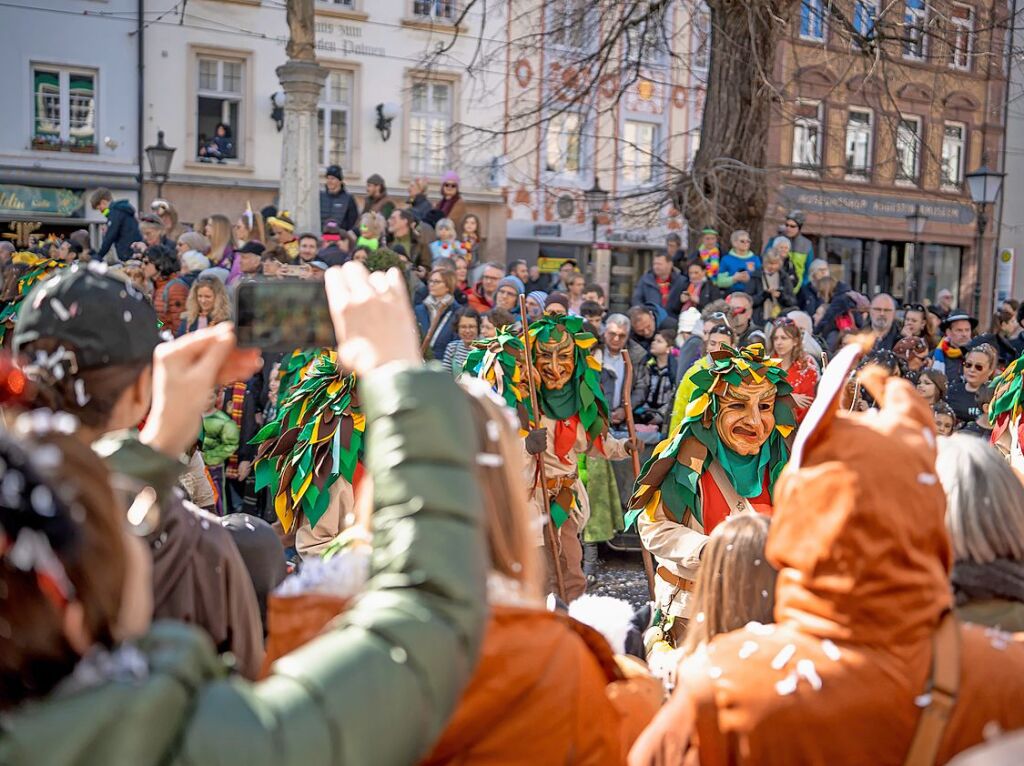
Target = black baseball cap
(103,318)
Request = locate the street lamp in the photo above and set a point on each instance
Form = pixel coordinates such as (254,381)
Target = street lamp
(915,223)
(159,157)
(984,185)
(596,199)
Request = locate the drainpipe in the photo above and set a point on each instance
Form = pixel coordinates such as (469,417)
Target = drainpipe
(140,48)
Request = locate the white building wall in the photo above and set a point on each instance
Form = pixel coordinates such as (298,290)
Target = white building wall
(1011,232)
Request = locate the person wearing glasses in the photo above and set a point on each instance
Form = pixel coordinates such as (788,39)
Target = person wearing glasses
(451,203)
(436,314)
(883,322)
(801,251)
(979,366)
(738,270)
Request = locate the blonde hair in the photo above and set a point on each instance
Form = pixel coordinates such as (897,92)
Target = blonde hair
(511,539)
(221,311)
(374,223)
(255,229)
(445,223)
(736,584)
(221,237)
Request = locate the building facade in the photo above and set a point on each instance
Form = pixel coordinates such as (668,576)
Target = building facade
(626,133)
(219,67)
(863,141)
(71,84)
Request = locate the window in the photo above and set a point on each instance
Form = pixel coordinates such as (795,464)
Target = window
(430,122)
(858,143)
(961,36)
(569,23)
(812,20)
(865,12)
(342,3)
(648,41)
(219,102)
(915,17)
(563,150)
(701,38)
(639,143)
(908,149)
(63,108)
(953,155)
(434,9)
(334,123)
(807,136)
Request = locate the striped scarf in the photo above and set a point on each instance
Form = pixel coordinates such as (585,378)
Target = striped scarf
(234,408)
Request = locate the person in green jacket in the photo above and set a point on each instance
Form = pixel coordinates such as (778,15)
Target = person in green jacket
(375,688)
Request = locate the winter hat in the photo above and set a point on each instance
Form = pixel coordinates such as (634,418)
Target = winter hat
(193,261)
(215,273)
(283,220)
(377,179)
(333,171)
(451,177)
(195,241)
(690,320)
(538,295)
(560,298)
(331,231)
(515,282)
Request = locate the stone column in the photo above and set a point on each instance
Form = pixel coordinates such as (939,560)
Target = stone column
(302,82)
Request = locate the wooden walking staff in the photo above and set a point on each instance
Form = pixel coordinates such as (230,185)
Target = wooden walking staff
(627,405)
(535,404)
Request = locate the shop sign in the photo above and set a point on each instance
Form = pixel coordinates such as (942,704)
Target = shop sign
(547,230)
(34,200)
(628,235)
(550,265)
(1004,274)
(874,205)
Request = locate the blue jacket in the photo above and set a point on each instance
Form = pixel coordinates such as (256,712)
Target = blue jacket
(122,230)
(647,292)
(446,331)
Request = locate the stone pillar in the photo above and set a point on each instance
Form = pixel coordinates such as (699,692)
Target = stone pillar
(302,82)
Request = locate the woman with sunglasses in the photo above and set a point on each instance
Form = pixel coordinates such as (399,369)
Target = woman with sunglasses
(787,344)
(978,369)
(451,203)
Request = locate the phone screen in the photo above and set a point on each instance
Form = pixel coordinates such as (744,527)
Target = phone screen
(283,315)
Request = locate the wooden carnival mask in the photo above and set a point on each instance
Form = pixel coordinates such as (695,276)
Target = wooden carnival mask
(746,416)
(555,360)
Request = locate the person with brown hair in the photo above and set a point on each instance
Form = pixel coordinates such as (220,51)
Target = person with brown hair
(735,585)
(436,314)
(931,384)
(786,342)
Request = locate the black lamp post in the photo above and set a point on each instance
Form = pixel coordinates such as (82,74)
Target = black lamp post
(984,185)
(159,156)
(916,222)
(596,198)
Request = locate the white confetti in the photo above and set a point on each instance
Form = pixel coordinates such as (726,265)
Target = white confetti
(830,650)
(729,547)
(41,500)
(757,562)
(80,396)
(714,672)
(923,700)
(927,478)
(784,656)
(700,617)
(748,649)
(991,730)
(758,629)
(127,315)
(929,437)
(60,310)
(787,685)
(764,594)
(805,669)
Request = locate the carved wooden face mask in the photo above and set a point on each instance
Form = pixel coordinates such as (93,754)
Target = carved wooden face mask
(746,416)
(556,361)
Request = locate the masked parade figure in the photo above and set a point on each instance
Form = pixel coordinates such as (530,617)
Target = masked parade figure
(575,415)
(1004,413)
(309,454)
(723,459)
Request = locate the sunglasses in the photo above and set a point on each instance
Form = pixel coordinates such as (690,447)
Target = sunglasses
(974,366)
(914,307)
(784,322)
(718,316)
(449,186)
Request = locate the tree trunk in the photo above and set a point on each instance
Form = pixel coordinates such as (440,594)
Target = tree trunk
(728,185)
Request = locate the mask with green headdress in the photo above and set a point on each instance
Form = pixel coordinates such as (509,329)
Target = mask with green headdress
(36,268)
(739,415)
(499,361)
(570,377)
(1004,412)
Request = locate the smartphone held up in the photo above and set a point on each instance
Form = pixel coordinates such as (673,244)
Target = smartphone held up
(282,315)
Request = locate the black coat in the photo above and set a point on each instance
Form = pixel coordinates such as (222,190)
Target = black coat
(340,207)
(709,293)
(122,230)
(647,292)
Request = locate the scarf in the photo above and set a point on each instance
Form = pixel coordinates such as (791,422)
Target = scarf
(563,407)
(1003,578)
(447,203)
(234,407)
(711,258)
(435,306)
(745,471)
(949,351)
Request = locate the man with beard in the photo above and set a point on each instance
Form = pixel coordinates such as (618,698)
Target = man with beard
(723,460)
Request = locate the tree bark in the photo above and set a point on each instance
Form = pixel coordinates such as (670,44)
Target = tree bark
(728,184)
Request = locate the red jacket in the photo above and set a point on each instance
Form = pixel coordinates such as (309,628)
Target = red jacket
(478,301)
(169,296)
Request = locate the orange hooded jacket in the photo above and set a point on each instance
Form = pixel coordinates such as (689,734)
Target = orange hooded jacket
(863,558)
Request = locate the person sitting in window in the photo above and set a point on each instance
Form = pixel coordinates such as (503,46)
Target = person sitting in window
(220,147)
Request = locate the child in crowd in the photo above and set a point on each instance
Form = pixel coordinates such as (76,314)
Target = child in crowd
(220,147)
(471,239)
(218,441)
(446,246)
(945,419)
(932,385)
(655,412)
(371,227)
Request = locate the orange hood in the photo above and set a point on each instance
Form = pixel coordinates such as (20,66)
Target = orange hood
(858,533)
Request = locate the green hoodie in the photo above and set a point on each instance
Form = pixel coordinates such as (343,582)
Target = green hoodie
(375,689)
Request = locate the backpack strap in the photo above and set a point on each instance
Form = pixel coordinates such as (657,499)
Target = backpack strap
(942,692)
